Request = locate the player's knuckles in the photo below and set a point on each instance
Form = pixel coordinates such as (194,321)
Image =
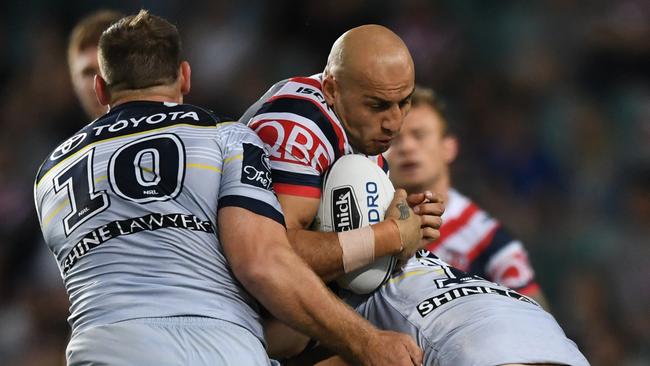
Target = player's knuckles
(415,198)
(428,220)
(437,197)
(430,209)
(433,223)
(400,194)
(437,222)
(430,234)
(436,209)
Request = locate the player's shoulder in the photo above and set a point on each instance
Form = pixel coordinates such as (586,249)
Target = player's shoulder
(297,107)
(207,113)
(457,203)
(463,214)
(130,119)
(234,129)
(301,96)
(234,134)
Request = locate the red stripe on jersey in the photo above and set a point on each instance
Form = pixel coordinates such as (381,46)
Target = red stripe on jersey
(452,226)
(340,134)
(296,190)
(313,82)
(254,125)
(529,290)
(478,248)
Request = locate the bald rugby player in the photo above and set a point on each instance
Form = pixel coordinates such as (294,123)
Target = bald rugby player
(358,105)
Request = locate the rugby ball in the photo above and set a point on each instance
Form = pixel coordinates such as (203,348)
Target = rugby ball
(356,192)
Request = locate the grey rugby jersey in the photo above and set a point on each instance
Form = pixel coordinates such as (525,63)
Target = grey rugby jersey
(128,206)
(461,319)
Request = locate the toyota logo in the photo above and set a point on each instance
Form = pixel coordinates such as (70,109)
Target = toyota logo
(68,146)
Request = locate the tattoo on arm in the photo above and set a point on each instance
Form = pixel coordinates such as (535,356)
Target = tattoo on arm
(403,210)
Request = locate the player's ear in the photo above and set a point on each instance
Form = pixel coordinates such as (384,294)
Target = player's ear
(101,90)
(185,73)
(329,88)
(449,148)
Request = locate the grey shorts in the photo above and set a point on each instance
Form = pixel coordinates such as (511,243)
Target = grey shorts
(166,342)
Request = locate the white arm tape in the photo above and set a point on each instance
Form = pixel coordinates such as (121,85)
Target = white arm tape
(358,248)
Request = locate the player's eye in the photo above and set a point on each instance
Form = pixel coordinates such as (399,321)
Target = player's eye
(419,135)
(379,106)
(88,72)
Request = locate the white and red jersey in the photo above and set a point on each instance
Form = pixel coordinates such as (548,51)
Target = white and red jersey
(303,133)
(473,241)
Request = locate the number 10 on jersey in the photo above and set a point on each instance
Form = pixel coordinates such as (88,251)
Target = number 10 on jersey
(144,170)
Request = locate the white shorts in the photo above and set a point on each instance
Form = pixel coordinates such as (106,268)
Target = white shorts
(167,341)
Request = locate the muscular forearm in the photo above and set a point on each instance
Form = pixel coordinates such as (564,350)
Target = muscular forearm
(309,307)
(322,250)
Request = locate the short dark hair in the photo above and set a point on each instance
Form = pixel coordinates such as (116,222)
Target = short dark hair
(428,97)
(87,32)
(139,51)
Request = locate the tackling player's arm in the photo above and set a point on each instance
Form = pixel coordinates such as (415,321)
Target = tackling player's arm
(262,260)
(323,252)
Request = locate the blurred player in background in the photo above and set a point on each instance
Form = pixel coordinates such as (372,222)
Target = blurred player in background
(470,239)
(82,58)
(148,211)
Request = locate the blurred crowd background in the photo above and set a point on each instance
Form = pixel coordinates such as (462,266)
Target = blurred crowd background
(550,100)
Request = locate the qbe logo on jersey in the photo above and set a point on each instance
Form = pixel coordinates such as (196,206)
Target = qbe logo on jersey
(345,210)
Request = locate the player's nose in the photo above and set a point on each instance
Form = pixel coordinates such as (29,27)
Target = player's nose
(392,120)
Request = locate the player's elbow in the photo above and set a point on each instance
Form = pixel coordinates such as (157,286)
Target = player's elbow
(258,271)
(248,271)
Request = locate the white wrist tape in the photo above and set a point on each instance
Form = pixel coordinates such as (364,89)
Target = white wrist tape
(358,248)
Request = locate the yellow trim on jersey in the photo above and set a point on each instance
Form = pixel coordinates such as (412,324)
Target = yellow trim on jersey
(407,274)
(101,178)
(55,211)
(203,166)
(214,168)
(237,157)
(89,146)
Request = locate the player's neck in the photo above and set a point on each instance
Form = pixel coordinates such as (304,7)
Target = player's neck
(161,93)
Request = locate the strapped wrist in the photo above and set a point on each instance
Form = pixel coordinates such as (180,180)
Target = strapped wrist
(358,248)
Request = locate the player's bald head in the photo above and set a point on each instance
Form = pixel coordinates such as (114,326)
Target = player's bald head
(370,53)
(368,82)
